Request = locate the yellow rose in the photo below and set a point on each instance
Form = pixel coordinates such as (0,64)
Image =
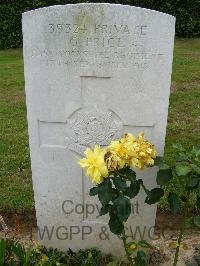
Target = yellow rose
(118,147)
(133,162)
(138,152)
(144,152)
(128,151)
(94,164)
(113,161)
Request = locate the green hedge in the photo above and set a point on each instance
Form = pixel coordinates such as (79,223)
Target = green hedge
(187,13)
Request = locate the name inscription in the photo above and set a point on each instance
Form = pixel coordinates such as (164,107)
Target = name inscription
(114,46)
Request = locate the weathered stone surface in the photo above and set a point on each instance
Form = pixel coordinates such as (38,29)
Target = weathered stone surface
(92,72)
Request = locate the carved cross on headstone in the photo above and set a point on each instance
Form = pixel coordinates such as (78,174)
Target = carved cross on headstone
(93,123)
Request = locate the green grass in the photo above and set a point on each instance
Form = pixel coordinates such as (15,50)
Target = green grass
(184,110)
(15,174)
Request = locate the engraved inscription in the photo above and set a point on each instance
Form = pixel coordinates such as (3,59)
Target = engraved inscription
(96,28)
(114,59)
(67,28)
(86,43)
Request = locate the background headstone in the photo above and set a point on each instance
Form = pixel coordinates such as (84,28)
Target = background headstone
(92,72)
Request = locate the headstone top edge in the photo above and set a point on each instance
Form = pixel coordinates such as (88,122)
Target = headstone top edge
(30,12)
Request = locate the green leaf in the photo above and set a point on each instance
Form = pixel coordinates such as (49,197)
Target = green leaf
(141,259)
(154,196)
(105,209)
(183,170)
(193,183)
(158,160)
(174,202)
(144,244)
(132,245)
(129,173)
(115,225)
(133,190)
(164,175)
(120,184)
(197,221)
(140,181)
(181,157)
(196,168)
(122,207)
(94,191)
(105,192)
(114,194)
(196,151)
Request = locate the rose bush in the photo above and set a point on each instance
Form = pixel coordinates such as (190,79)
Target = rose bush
(111,169)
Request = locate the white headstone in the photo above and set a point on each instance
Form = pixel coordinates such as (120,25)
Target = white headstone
(92,72)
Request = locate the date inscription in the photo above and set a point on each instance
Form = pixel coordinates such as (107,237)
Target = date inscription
(86,58)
